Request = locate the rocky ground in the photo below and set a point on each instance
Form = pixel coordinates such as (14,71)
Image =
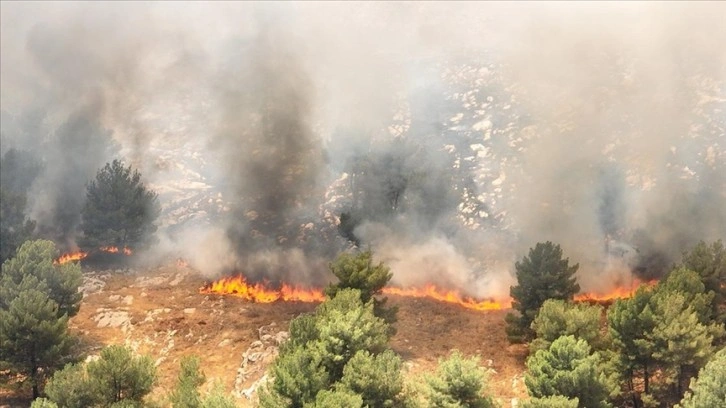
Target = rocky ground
(160,312)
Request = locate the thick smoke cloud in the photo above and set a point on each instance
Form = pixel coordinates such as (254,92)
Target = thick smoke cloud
(453,136)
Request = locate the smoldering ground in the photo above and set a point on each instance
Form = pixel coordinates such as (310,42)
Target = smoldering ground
(455,135)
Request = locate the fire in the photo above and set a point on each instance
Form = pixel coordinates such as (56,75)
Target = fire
(262,292)
(449,296)
(70,257)
(620,292)
(115,250)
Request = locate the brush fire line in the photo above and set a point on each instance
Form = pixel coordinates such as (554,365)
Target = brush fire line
(79,255)
(263,292)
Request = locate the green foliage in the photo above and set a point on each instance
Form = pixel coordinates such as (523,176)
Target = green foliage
(320,347)
(629,323)
(186,392)
(559,318)
(34,259)
(709,389)
(336,399)
(346,325)
(43,403)
(541,275)
(457,382)
(377,378)
(359,272)
(217,398)
(299,375)
(680,341)
(688,283)
(118,376)
(555,401)
(33,339)
(119,211)
(568,369)
(709,261)
(70,388)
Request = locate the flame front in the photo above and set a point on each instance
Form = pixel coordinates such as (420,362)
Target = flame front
(70,257)
(449,296)
(261,292)
(115,250)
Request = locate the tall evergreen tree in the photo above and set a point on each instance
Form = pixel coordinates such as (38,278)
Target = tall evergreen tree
(33,339)
(559,318)
(541,275)
(709,261)
(709,389)
(120,210)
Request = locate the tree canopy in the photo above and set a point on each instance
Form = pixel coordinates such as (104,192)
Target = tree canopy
(542,274)
(119,211)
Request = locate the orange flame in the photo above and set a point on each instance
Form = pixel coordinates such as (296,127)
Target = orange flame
(449,296)
(261,292)
(620,292)
(70,257)
(115,250)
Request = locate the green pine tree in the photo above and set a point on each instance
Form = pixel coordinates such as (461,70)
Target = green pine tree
(336,399)
(709,261)
(558,318)
(567,368)
(556,401)
(709,389)
(376,378)
(33,339)
(186,393)
(120,376)
(457,382)
(541,275)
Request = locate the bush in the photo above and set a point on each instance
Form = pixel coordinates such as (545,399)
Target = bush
(186,393)
(376,378)
(557,401)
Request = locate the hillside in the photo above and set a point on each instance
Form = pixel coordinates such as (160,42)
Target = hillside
(161,312)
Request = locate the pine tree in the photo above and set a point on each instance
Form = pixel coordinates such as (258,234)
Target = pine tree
(541,275)
(70,388)
(33,339)
(558,318)
(298,376)
(60,282)
(567,368)
(119,376)
(458,382)
(119,211)
(336,399)
(630,321)
(376,378)
(710,263)
(357,271)
(709,389)
(186,393)
(681,344)
(556,401)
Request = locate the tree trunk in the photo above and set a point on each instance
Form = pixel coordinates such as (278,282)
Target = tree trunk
(646,377)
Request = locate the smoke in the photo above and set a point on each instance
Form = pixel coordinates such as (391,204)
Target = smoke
(447,138)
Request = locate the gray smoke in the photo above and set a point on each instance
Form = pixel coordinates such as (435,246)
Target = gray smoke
(448,138)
